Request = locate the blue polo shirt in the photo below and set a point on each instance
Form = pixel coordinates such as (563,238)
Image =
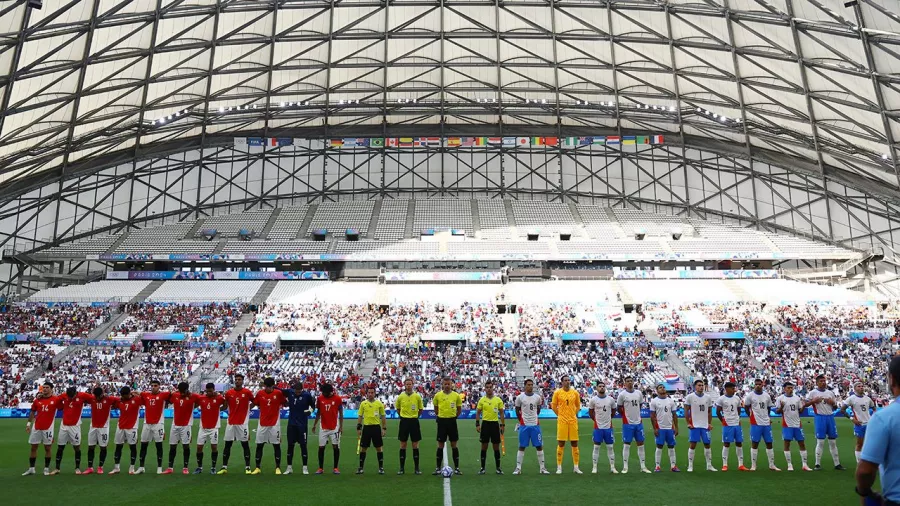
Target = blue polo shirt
(299,405)
(882,447)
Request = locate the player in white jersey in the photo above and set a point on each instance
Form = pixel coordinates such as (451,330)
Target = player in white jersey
(790,406)
(528,407)
(824,402)
(728,409)
(601,408)
(860,404)
(665,425)
(698,412)
(757,404)
(629,403)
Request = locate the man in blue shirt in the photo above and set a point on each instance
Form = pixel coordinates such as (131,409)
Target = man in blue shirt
(300,403)
(881,450)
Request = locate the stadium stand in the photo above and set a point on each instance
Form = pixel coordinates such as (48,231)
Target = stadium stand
(392,220)
(230,225)
(205,291)
(96,246)
(544,217)
(287,224)
(443,214)
(337,217)
(492,216)
(100,291)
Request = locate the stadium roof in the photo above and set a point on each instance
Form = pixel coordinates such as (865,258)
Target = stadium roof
(813,82)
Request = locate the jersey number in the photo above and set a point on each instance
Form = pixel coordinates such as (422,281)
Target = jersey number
(634,403)
(702,408)
(328,407)
(793,407)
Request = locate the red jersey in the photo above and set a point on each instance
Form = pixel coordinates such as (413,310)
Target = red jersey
(183,405)
(72,407)
(209,410)
(45,411)
(128,412)
(153,406)
(269,407)
(238,405)
(328,410)
(100,411)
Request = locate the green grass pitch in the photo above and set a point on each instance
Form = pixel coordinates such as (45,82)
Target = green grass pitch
(701,487)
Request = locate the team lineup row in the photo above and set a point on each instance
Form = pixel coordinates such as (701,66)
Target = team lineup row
(371,425)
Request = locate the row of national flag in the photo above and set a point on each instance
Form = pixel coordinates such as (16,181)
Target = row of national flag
(509,142)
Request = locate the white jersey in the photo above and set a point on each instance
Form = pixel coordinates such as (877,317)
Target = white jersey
(790,407)
(530,407)
(603,407)
(664,408)
(632,403)
(701,407)
(819,396)
(730,407)
(860,407)
(759,405)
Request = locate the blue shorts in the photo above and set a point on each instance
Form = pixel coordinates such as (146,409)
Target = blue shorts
(698,435)
(825,427)
(792,434)
(859,431)
(763,432)
(603,436)
(666,437)
(530,435)
(633,431)
(733,434)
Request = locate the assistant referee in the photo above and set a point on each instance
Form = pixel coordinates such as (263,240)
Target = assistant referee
(409,405)
(371,426)
(447,406)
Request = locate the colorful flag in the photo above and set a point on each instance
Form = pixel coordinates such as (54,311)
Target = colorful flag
(598,140)
(392,142)
(480,141)
(454,142)
(551,141)
(584,141)
(494,141)
(570,142)
(656,139)
(613,140)
(468,142)
(643,139)
(509,141)
(336,143)
(629,140)
(240,142)
(405,142)
(537,141)
(522,141)
(256,141)
(377,142)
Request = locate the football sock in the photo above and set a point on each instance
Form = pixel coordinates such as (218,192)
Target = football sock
(754,456)
(626,453)
(31,462)
(611,455)
(90,456)
(540,455)
(707,452)
(770,454)
(497,458)
(520,456)
(380,460)
(226,453)
(724,455)
(304,453)
(117,455)
(187,455)
(102,455)
(46,462)
(820,448)
(857,453)
(77,458)
(246,446)
(362,459)
(672,457)
(787,457)
(832,445)
(658,456)
(595,455)
(173,449)
(215,457)
(277,449)
(483,457)
(337,455)
(691,453)
(576,453)
(199,459)
(456,457)
(259,453)
(59,455)
(416,457)
(290,454)
(559,455)
(133,449)
(321,457)
(440,458)
(402,458)
(143,453)
(803,457)
(739,451)
(641,456)
(159,454)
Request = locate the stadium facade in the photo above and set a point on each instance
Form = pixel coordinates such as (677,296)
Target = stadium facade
(776,115)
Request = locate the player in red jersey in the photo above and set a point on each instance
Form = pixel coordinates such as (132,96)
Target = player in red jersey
(211,404)
(98,434)
(154,426)
(129,406)
(239,401)
(270,401)
(329,409)
(72,403)
(183,402)
(40,426)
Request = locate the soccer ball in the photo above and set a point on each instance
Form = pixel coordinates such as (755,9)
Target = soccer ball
(447,472)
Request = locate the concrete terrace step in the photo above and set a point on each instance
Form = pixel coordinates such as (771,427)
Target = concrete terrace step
(146,292)
(269,224)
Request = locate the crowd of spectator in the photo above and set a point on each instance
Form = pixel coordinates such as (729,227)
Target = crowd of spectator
(215,320)
(56,321)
